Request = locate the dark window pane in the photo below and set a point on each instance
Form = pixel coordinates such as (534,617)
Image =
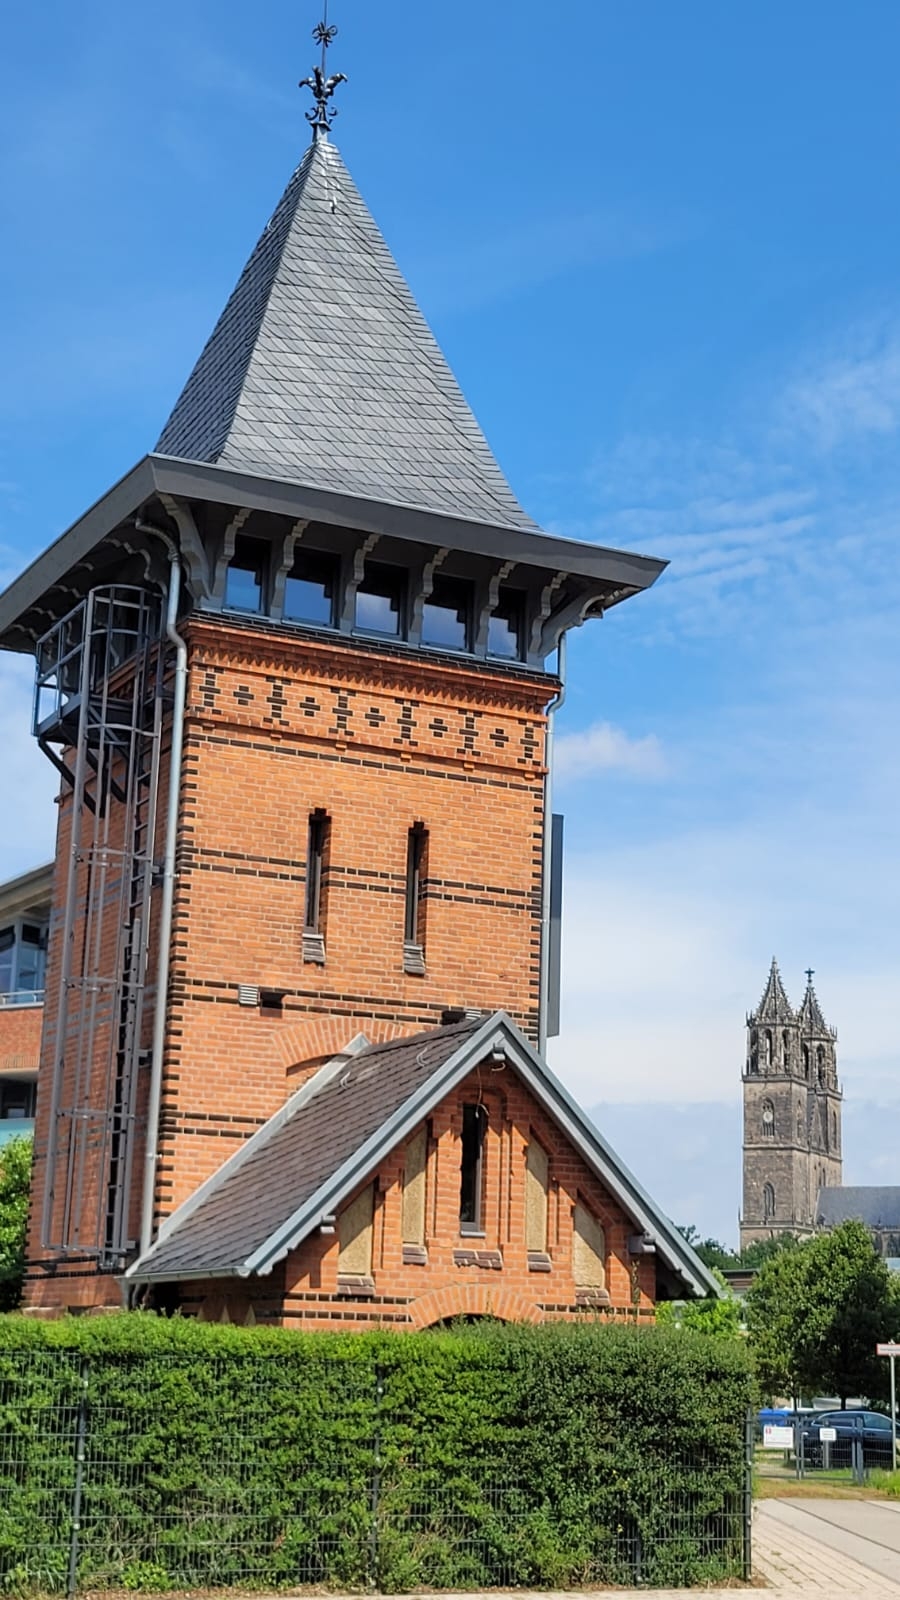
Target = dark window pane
(470,1166)
(311,588)
(506,626)
(415,860)
(447,614)
(246,575)
(380,599)
(315,866)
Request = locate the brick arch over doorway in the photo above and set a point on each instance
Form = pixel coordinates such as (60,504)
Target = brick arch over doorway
(471,1300)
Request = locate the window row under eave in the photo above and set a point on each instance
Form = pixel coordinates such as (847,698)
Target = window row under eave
(384,603)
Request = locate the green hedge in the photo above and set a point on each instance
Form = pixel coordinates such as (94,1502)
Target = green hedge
(490,1456)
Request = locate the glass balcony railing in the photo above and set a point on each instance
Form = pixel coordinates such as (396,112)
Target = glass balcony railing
(22,997)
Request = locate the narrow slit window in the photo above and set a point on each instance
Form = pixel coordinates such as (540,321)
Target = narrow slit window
(317,847)
(416,849)
(506,625)
(381,600)
(246,580)
(447,614)
(471,1168)
(310,590)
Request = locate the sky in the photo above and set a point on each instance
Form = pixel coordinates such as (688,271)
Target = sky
(660,247)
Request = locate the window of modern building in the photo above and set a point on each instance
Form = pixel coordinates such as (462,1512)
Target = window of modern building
(381,600)
(318,840)
(7,959)
(471,1169)
(23,959)
(506,625)
(447,614)
(246,579)
(17,1099)
(311,588)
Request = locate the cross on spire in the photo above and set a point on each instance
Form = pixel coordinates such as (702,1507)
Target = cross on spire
(810,972)
(322,114)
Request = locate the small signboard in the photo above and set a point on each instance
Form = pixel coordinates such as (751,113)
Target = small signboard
(887,1349)
(827,1435)
(777,1437)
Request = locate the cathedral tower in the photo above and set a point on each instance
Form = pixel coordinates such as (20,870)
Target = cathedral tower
(792,1114)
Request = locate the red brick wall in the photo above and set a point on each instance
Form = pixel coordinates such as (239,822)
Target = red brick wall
(278,725)
(20,1037)
(415,1296)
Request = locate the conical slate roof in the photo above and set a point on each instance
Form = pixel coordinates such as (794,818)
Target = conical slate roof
(774,1005)
(810,1012)
(322,370)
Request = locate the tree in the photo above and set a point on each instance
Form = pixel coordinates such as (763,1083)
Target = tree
(719,1317)
(816,1312)
(713,1254)
(15,1180)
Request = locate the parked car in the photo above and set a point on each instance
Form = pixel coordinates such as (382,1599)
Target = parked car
(871,1426)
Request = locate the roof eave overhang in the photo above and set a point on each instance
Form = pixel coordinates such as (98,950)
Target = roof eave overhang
(673,1249)
(621,573)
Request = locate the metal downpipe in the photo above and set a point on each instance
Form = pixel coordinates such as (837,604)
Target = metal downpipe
(552,709)
(168,897)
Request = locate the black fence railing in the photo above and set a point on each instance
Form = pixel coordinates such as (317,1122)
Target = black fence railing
(91,1499)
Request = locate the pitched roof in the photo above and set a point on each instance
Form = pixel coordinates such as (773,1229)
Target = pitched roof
(322,370)
(810,1013)
(774,1005)
(333,1134)
(876,1206)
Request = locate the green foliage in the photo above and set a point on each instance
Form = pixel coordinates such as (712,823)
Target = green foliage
(550,1456)
(815,1313)
(15,1179)
(721,1319)
(718,1256)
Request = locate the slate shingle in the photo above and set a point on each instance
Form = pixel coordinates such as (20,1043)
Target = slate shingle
(282,1171)
(322,370)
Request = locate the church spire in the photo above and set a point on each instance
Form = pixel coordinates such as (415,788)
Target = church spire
(320,82)
(810,1014)
(774,1005)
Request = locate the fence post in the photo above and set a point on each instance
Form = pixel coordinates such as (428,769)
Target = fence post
(80,1444)
(376,1482)
(749,1437)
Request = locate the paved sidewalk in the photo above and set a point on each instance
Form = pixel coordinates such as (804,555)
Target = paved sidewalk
(829,1548)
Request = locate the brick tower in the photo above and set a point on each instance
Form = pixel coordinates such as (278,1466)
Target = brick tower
(792,1114)
(292,670)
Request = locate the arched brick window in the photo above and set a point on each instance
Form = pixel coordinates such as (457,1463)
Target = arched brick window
(768,1119)
(768,1202)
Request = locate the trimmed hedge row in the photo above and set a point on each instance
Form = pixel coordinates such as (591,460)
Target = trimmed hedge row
(494,1455)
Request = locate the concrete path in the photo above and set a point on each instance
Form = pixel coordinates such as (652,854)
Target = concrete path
(824,1547)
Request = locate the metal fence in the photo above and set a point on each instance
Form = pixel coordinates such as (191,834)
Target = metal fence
(90,1499)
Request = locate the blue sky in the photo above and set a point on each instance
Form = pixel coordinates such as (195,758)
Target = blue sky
(660,247)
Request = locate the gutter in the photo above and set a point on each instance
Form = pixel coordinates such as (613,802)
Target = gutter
(164,948)
(544,994)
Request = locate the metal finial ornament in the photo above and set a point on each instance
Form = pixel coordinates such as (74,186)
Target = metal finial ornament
(322,85)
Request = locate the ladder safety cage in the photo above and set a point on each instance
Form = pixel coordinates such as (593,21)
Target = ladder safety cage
(99,706)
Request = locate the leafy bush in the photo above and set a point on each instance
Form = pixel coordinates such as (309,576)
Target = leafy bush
(491,1456)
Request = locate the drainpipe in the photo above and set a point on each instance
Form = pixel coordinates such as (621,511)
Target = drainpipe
(168,888)
(548,824)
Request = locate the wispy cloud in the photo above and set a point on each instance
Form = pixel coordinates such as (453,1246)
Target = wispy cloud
(605,748)
(849,392)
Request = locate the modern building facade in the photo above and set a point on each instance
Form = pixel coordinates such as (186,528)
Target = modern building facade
(24,927)
(297,671)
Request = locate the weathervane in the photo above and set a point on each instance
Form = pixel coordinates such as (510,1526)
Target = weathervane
(322,115)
